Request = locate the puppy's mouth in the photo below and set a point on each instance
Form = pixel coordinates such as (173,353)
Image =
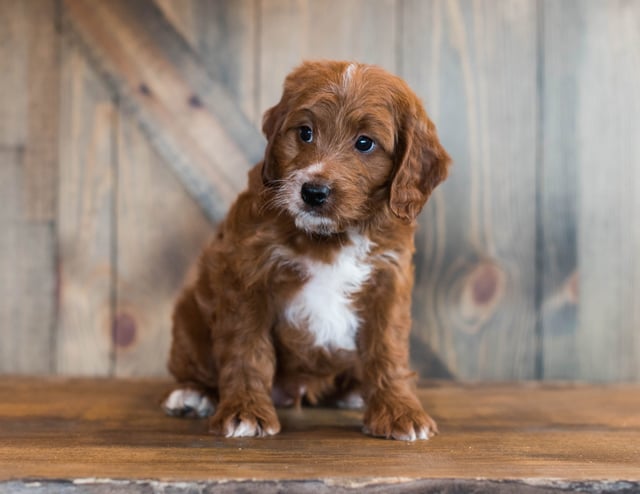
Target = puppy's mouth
(318,225)
(310,211)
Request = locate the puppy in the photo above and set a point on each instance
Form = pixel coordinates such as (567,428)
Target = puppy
(305,290)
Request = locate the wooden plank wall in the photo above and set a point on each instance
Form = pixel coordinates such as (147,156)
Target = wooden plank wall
(29,82)
(526,264)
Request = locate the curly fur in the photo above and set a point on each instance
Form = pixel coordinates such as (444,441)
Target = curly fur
(296,300)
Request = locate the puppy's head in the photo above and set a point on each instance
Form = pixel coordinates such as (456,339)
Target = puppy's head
(348,142)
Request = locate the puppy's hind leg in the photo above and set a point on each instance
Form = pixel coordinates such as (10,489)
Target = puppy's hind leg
(188,400)
(348,393)
(191,362)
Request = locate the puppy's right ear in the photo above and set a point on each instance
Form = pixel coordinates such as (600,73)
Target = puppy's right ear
(271,123)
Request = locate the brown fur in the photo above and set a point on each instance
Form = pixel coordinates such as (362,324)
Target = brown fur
(230,339)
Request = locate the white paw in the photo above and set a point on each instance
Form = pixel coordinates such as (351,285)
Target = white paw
(246,428)
(421,434)
(351,401)
(188,403)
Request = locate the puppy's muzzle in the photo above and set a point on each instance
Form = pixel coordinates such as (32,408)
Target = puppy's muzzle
(315,194)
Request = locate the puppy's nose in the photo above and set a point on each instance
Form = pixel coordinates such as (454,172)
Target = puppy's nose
(315,194)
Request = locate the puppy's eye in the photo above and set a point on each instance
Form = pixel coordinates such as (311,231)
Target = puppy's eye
(365,144)
(306,134)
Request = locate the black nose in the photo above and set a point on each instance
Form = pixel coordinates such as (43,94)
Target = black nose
(315,194)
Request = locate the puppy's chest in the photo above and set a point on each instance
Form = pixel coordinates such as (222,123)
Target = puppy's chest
(324,304)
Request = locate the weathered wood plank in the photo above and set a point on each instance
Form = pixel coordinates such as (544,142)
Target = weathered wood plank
(28,125)
(542,435)
(190,118)
(281,21)
(474,63)
(85,219)
(42,112)
(362,30)
(27,276)
(608,151)
(225,38)
(14,45)
(561,31)
(30,83)
(157,246)
(160,231)
(180,13)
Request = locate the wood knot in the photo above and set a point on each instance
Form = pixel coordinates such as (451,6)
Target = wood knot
(144,89)
(195,101)
(572,288)
(124,330)
(482,290)
(484,284)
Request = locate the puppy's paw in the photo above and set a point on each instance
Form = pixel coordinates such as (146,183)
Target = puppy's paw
(187,402)
(351,401)
(401,421)
(245,421)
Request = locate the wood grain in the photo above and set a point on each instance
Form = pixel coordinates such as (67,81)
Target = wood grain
(160,228)
(608,342)
(537,103)
(27,276)
(224,36)
(226,40)
(361,30)
(189,117)
(14,45)
(475,66)
(28,164)
(561,31)
(181,15)
(85,219)
(537,435)
(160,232)
(42,112)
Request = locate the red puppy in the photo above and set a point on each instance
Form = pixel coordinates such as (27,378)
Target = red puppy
(306,289)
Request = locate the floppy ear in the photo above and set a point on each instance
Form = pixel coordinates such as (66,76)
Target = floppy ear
(422,163)
(271,123)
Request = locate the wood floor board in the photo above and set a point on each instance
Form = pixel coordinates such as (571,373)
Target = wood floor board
(543,436)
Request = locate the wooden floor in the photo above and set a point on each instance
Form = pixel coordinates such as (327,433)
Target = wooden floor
(106,435)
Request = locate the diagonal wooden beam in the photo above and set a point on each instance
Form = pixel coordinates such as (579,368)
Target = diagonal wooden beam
(191,119)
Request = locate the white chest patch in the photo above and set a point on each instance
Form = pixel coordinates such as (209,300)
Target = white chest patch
(323,305)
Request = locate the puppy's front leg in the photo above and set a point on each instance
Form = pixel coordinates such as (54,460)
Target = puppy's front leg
(392,408)
(245,357)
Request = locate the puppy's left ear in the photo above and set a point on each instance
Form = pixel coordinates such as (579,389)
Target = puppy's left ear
(422,163)
(271,123)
